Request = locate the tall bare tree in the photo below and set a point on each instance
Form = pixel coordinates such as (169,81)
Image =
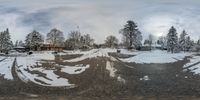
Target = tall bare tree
(55,37)
(111,41)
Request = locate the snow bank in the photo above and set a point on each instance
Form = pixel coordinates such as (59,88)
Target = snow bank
(74,69)
(194,64)
(156,56)
(5,67)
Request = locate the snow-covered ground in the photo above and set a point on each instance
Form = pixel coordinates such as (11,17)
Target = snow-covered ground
(34,59)
(50,79)
(155,56)
(74,69)
(33,63)
(194,64)
(5,67)
(92,54)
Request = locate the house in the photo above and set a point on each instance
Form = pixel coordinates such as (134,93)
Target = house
(49,47)
(21,49)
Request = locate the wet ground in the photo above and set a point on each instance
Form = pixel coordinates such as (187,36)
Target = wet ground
(131,82)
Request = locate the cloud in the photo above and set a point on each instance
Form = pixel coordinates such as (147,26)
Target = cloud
(98,18)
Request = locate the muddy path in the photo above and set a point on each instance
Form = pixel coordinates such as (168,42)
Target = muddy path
(161,79)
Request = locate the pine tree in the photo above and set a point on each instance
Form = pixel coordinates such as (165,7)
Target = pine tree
(182,40)
(131,35)
(5,41)
(172,40)
(198,42)
(34,40)
(16,43)
(188,43)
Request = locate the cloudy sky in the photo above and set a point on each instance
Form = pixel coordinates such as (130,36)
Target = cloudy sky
(99,18)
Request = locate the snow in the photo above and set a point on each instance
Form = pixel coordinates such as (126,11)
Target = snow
(5,68)
(194,64)
(145,78)
(156,56)
(129,52)
(51,78)
(92,54)
(74,69)
(44,55)
(33,60)
(110,68)
(33,63)
(120,79)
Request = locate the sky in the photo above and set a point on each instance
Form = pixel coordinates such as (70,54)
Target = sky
(99,18)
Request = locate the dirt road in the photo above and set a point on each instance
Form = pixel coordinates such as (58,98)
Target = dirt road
(130,81)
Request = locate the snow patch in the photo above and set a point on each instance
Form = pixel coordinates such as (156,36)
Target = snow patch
(74,69)
(110,68)
(145,78)
(50,79)
(6,66)
(120,79)
(194,64)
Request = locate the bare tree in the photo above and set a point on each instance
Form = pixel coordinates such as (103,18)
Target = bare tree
(111,41)
(55,37)
(162,40)
(150,39)
(73,41)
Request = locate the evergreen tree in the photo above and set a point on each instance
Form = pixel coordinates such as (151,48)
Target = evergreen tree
(198,42)
(34,40)
(5,42)
(172,40)
(16,43)
(188,43)
(131,35)
(182,40)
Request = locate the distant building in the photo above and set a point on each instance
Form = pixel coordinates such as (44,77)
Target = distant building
(49,47)
(21,49)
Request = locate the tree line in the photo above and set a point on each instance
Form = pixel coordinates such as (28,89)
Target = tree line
(131,39)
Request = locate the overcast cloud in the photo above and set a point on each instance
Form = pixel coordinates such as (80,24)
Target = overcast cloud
(99,18)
